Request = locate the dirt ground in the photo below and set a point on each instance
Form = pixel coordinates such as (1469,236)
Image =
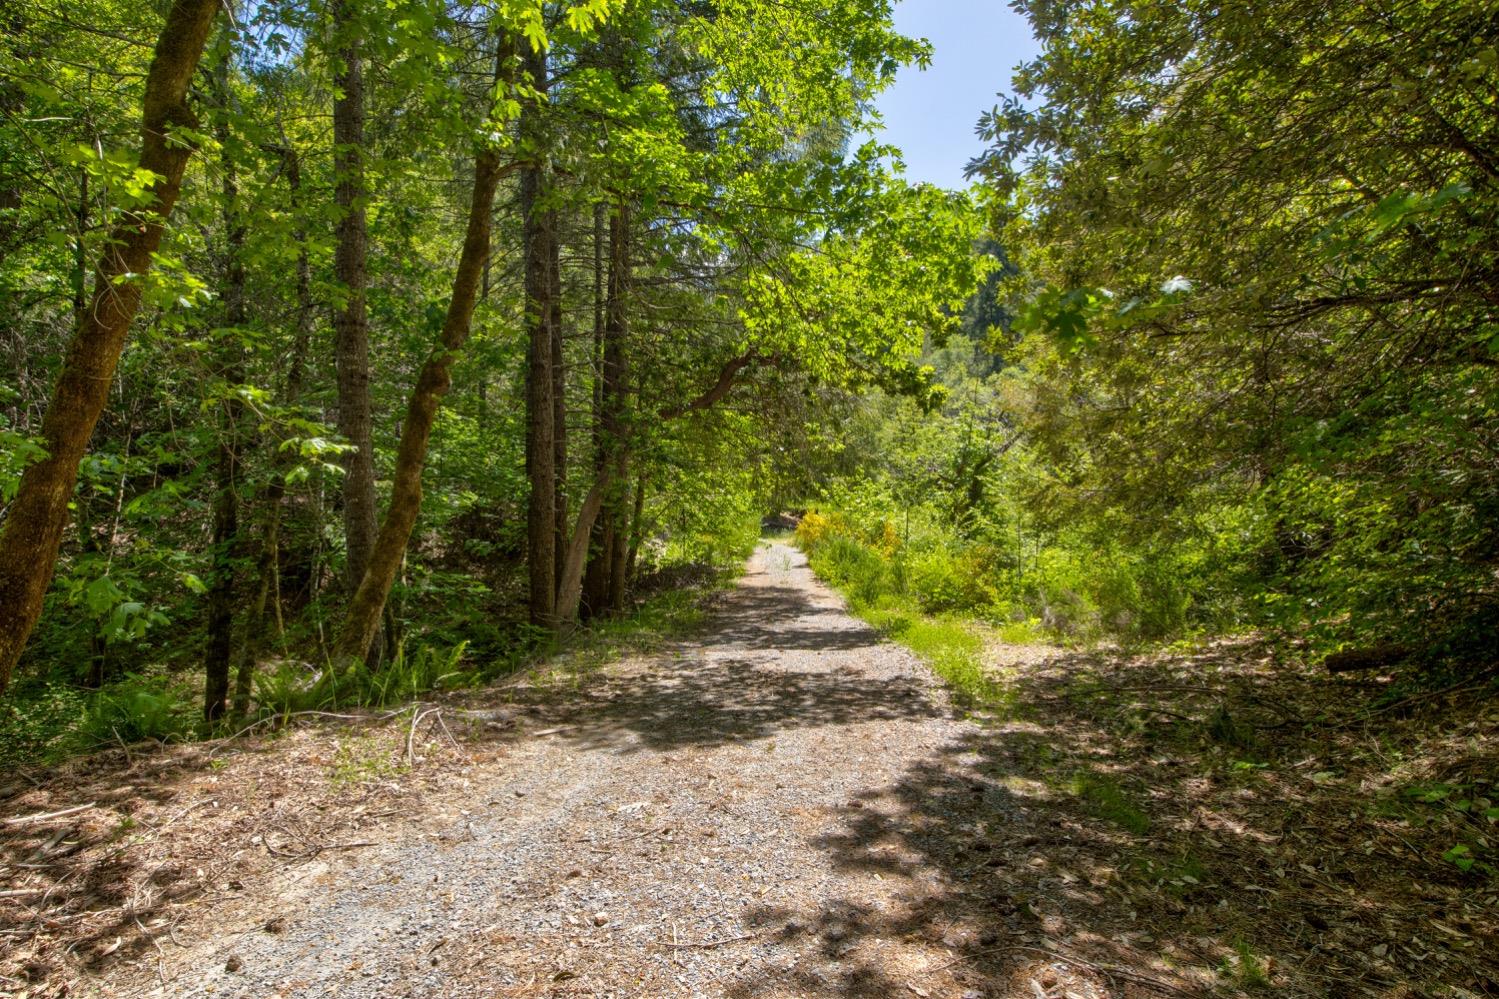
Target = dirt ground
(783,806)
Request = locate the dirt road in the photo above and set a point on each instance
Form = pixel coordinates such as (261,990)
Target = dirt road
(784,807)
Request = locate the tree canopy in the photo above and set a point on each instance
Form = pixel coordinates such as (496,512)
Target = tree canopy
(582,259)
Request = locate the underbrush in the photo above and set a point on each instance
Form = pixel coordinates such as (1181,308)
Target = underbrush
(294,687)
(878,590)
(52,721)
(1068,588)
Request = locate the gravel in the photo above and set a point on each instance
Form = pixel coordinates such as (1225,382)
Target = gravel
(729,818)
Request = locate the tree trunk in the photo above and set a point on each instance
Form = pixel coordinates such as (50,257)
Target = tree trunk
(220,649)
(350,322)
(637,529)
(595,578)
(268,563)
(613,429)
(363,620)
(600,316)
(570,583)
(559,399)
(38,515)
(619,553)
(539,237)
(595,598)
(219,653)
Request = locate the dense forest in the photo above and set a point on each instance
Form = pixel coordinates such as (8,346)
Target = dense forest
(357,354)
(1239,368)
(342,333)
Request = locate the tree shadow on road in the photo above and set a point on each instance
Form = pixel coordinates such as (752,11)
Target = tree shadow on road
(727,700)
(1153,827)
(1129,825)
(711,693)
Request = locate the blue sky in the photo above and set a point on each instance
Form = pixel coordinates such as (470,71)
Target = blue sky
(931,115)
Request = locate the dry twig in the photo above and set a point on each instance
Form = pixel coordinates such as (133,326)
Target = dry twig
(44,816)
(710,944)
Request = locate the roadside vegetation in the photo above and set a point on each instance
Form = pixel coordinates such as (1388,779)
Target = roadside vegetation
(1223,803)
(54,722)
(296,417)
(358,356)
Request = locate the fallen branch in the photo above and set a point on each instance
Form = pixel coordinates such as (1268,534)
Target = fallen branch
(1430,695)
(46,847)
(1110,970)
(44,816)
(342,846)
(1286,713)
(416,720)
(710,944)
(312,851)
(161,957)
(445,731)
(1383,656)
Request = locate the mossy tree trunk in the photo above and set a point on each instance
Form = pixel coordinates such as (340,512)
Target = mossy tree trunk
(38,516)
(362,623)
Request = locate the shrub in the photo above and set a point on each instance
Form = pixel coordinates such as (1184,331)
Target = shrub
(1082,582)
(852,565)
(294,687)
(815,528)
(136,709)
(37,721)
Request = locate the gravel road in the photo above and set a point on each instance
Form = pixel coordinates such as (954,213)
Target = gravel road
(773,809)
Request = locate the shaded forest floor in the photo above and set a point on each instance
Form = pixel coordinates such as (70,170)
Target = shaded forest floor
(1291,830)
(784,805)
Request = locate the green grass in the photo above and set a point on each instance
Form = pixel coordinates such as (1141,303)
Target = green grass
(1109,801)
(1246,969)
(362,760)
(955,653)
(1028,632)
(952,646)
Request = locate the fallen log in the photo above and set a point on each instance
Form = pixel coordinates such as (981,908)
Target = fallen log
(1380,656)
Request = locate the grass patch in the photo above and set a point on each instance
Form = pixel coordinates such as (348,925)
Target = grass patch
(362,760)
(1027,632)
(1109,801)
(1245,968)
(877,592)
(952,647)
(955,653)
